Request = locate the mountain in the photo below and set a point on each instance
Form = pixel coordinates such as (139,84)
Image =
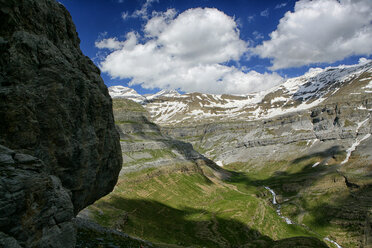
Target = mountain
(308,140)
(119,91)
(168,107)
(293,95)
(145,146)
(125,92)
(172,195)
(163,93)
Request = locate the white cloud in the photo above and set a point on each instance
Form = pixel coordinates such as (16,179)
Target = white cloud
(280,5)
(187,52)
(143,12)
(257,35)
(320,31)
(110,43)
(115,44)
(139,13)
(265,13)
(203,35)
(364,61)
(125,15)
(159,21)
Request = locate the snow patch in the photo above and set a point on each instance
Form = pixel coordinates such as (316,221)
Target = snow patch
(316,164)
(362,108)
(219,163)
(368,86)
(278,99)
(333,242)
(353,147)
(360,124)
(365,79)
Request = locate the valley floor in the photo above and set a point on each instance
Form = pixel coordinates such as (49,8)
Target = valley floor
(182,207)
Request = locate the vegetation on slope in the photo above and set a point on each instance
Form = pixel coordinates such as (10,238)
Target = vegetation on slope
(330,200)
(184,208)
(177,206)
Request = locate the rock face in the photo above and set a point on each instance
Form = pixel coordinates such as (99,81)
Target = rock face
(322,109)
(145,146)
(306,132)
(54,107)
(36,210)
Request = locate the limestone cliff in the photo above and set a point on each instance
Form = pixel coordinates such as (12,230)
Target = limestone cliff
(55,109)
(145,146)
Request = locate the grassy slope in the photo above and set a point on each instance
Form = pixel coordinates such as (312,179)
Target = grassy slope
(88,238)
(188,209)
(317,197)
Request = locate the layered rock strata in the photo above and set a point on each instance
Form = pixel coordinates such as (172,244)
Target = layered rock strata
(145,146)
(55,109)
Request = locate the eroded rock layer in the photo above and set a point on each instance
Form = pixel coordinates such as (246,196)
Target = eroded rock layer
(55,107)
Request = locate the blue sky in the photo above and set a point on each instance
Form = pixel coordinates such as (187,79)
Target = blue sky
(217,46)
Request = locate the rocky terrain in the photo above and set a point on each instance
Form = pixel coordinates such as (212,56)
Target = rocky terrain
(308,139)
(145,146)
(60,149)
(321,109)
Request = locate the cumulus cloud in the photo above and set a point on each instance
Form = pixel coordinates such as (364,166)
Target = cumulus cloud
(190,51)
(320,31)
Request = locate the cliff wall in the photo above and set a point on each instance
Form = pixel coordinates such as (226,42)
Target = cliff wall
(60,149)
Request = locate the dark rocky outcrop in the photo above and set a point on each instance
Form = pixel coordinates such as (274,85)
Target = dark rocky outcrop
(55,109)
(35,209)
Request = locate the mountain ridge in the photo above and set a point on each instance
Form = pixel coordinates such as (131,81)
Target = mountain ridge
(294,94)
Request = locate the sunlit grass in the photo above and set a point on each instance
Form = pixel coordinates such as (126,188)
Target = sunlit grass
(190,209)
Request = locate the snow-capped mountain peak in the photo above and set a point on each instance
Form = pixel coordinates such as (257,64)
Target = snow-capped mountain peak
(119,91)
(164,93)
(168,107)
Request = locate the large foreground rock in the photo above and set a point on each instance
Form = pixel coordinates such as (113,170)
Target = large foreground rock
(55,107)
(35,210)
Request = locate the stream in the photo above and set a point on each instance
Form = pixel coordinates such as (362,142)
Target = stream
(289,221)
(278,207)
